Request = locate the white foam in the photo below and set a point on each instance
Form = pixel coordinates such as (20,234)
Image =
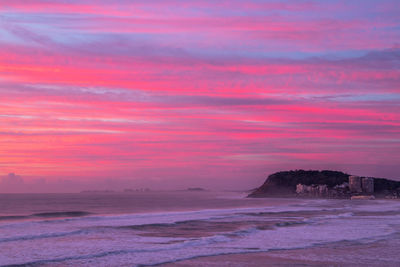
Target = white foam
(99,239)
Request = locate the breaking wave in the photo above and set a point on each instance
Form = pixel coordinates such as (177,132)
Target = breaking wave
(153,238)
(57,214)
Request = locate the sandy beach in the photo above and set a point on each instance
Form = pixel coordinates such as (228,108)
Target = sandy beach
(341,254)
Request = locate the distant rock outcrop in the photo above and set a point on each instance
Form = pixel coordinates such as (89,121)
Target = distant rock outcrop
(333,184)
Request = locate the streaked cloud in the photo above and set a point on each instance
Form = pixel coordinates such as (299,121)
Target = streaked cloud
(143,89)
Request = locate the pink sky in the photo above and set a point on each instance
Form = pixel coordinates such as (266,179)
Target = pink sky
(177,93)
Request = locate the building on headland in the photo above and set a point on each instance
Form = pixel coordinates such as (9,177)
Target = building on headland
(312,190)
(356,186)
(367,184)
(359,184)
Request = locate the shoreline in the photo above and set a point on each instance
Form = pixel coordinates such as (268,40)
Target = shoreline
(342,253)
(251,259)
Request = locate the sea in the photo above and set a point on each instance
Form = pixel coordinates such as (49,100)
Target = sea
(155,228)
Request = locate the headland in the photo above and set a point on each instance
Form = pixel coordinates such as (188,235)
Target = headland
(326,184)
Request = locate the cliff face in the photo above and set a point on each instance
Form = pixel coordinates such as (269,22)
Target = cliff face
(283,184)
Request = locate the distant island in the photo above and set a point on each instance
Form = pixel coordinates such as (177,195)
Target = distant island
(130,190)
(195,189)
(326,184)
(97,191)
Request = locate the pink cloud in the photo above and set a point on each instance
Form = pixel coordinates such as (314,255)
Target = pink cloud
(214,90)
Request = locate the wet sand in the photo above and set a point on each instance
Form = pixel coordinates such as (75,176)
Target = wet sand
(381,253)
(236,260)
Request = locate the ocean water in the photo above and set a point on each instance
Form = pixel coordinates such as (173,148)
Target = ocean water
(151,228)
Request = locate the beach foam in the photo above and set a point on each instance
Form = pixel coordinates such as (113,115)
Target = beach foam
(155,237)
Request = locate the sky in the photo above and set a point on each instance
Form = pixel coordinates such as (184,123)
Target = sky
(176,93)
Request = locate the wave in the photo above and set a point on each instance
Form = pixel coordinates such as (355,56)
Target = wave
(69,260)
(61,214)
(14,217)
(72,258)
(41,236)
(56,214)
(291,223)
(236,240)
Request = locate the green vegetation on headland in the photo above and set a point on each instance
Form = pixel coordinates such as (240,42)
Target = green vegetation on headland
(326,183)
